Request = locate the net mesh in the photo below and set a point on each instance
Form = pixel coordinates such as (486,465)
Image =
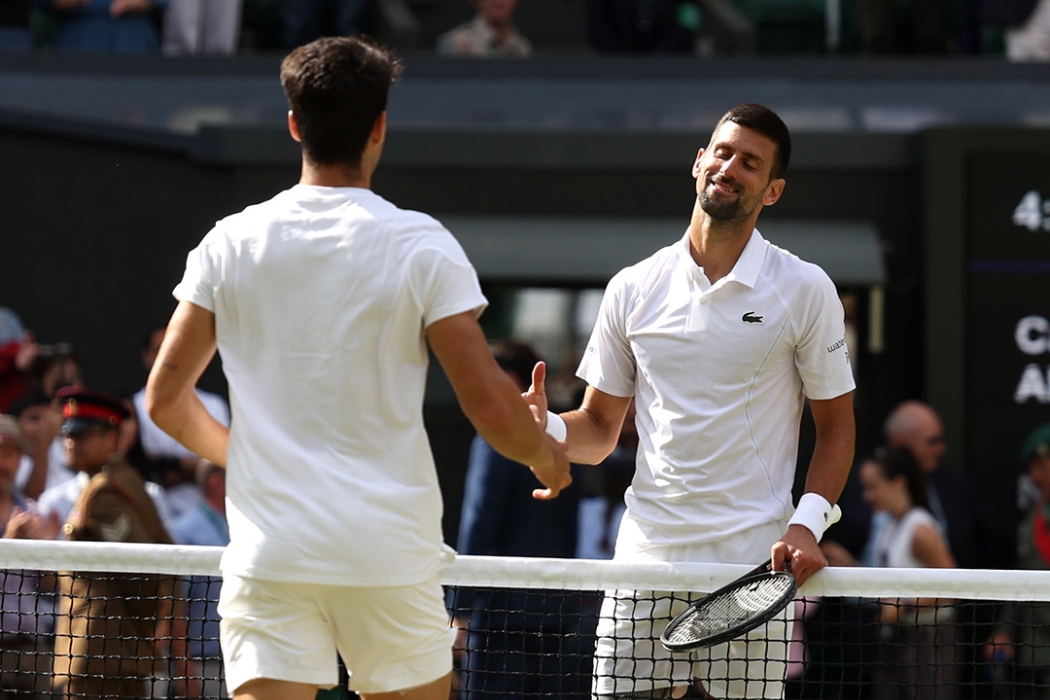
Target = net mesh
(140,621)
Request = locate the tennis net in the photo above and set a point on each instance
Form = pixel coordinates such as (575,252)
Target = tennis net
(141,621)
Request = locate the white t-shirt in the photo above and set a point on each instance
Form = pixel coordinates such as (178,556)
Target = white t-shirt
(894,545)
(719,373)
(321,296)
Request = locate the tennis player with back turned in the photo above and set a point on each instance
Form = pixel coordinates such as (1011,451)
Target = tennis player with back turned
(720,338)
(322,302)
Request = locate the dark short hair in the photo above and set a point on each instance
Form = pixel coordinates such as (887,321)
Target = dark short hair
(766,122)
(337,87)
(515,357)
(899,461)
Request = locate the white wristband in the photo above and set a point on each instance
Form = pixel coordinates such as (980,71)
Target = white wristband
(813,513)
(556,427)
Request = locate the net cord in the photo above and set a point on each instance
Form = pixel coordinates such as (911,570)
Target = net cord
(571,574)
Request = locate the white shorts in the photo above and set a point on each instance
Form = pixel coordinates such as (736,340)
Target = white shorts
(390,637)
(629,657)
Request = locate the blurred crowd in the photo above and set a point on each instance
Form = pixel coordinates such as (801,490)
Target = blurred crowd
(1016,29)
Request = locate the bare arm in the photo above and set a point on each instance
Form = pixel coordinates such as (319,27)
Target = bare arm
(931,549)
(171,401)
(492,403)
(828,469)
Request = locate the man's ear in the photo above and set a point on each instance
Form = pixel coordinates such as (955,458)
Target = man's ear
(293,126)
(773,191)
(379,128)
(696,163)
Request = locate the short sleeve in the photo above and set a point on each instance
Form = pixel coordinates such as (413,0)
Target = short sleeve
(199,281)
(608,362)
(447,283)
(821,354)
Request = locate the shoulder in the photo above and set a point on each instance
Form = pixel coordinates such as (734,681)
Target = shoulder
(784,267)
(644,272)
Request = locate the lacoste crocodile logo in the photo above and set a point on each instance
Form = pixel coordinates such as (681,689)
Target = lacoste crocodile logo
(750,317)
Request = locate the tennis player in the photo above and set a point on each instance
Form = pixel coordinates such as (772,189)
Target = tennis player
(322,302)
(720,338)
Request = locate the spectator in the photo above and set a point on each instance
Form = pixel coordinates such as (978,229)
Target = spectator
(128,26)
(931,26)
(57,366)
(205,525)
(167,462)
(491,34)
(25,619)
(106,625)
(18,353)
(519,643)
(194,27)
(302,21)
(39,421)
(918,655)
(975,534)
(1026,27)
(58,500)
(646,26)
(1021,642)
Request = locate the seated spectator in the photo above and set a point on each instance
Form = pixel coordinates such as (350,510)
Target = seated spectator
(1021,641)
(107,626)
(167,462)
(128,26)
(919,657)
(195,27)
(25,616)
(58,501)
(39,421)
(491,34)
(205,525)
(1026,30)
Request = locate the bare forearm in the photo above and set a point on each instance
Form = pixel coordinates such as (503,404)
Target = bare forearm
(188,421)
(833,449)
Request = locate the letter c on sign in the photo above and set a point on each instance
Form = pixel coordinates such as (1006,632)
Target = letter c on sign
(1032,334)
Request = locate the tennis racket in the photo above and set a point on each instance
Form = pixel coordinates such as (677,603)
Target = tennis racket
(735,609)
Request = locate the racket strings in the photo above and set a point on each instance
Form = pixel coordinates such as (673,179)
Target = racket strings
(731,608)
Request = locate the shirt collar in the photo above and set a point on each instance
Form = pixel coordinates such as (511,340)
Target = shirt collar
(748,265)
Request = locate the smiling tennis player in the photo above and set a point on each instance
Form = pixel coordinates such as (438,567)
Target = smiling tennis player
(720,338)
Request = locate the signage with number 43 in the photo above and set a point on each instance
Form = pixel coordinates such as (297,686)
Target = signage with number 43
(1033,212)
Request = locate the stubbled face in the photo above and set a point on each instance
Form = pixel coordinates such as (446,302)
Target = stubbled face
(733,173)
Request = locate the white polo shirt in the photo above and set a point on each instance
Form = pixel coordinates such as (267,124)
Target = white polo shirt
(718,373)
(321,296)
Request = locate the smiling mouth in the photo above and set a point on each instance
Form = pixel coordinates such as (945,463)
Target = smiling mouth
(722,187)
